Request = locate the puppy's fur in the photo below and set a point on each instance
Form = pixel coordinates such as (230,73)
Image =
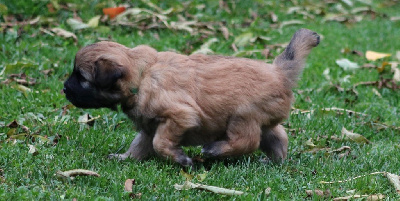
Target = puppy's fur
(231,106)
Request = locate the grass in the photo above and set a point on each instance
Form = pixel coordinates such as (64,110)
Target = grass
(24,176)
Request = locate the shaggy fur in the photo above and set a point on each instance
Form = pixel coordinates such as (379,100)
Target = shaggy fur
(231,106)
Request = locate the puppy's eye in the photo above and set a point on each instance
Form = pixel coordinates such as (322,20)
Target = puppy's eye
(85,84)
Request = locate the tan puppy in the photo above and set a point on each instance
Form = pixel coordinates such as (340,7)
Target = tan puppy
(231,106)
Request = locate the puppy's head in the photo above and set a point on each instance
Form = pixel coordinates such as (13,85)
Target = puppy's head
(97,76)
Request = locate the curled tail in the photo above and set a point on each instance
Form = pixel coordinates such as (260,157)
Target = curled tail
(292,60)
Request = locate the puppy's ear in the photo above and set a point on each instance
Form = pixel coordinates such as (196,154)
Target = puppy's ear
(107,71)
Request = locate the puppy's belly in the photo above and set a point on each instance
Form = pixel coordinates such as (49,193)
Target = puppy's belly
(201,137)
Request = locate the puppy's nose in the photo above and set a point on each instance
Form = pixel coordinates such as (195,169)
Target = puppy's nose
(64,90)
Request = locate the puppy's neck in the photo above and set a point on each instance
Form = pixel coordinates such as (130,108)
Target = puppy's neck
(142,58)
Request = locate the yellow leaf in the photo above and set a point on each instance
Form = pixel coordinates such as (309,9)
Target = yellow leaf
(354,136)
(94,22)
(372,56)
(309,143)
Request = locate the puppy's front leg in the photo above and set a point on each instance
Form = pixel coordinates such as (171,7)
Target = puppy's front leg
(140,148)
(166,142)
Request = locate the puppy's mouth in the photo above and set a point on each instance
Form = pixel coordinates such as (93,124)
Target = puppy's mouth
(88,99)
(87,102)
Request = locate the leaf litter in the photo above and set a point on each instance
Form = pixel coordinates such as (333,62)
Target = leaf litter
(201,177)
(128,187)
(393,179)
(71,174)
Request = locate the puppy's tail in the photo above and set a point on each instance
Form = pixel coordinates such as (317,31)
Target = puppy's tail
(291,62)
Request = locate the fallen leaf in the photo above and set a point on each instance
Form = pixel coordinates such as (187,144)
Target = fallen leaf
(13,124)
(71,174)
(396,71)
(376,92)
(76,24)
(274,17)
(129,184)
(368,197)
(201,177)
(189,185)
(348,2)
(289,23)
(186,175)
(87,119)
(372,56)
(309,143)
(347,64)
(65,34)
(42,138)
(318,192)
(19,66)
(326,74)
(205,48)
(267,191)
(354,136)
(23,89)
(33,150)
(113,12)
(225,32)
(94,21)
(243,39)
(394,180)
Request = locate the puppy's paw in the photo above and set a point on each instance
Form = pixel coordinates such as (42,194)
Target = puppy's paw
(120,157)
(184,161)
(316,39)
(211,150)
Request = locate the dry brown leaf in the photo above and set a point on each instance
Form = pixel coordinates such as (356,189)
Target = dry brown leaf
(33,150)
(354,136)
(13,124)
(267,191)
(376,92)
(395,180)
(318,192)
(186,175)
(71,174)
(368,197)
(189,185)
(65,34)
(372,56)
(225,32)
(309,143)
(128,186)
(396,71)
(87,119)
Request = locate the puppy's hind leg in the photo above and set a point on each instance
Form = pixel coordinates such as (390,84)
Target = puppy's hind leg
(140,148)
(274,142)
(167,140)
(243,137)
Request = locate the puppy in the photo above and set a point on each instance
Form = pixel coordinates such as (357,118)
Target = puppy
(231,106)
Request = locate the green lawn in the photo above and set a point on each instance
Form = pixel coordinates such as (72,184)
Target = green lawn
(46,120)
